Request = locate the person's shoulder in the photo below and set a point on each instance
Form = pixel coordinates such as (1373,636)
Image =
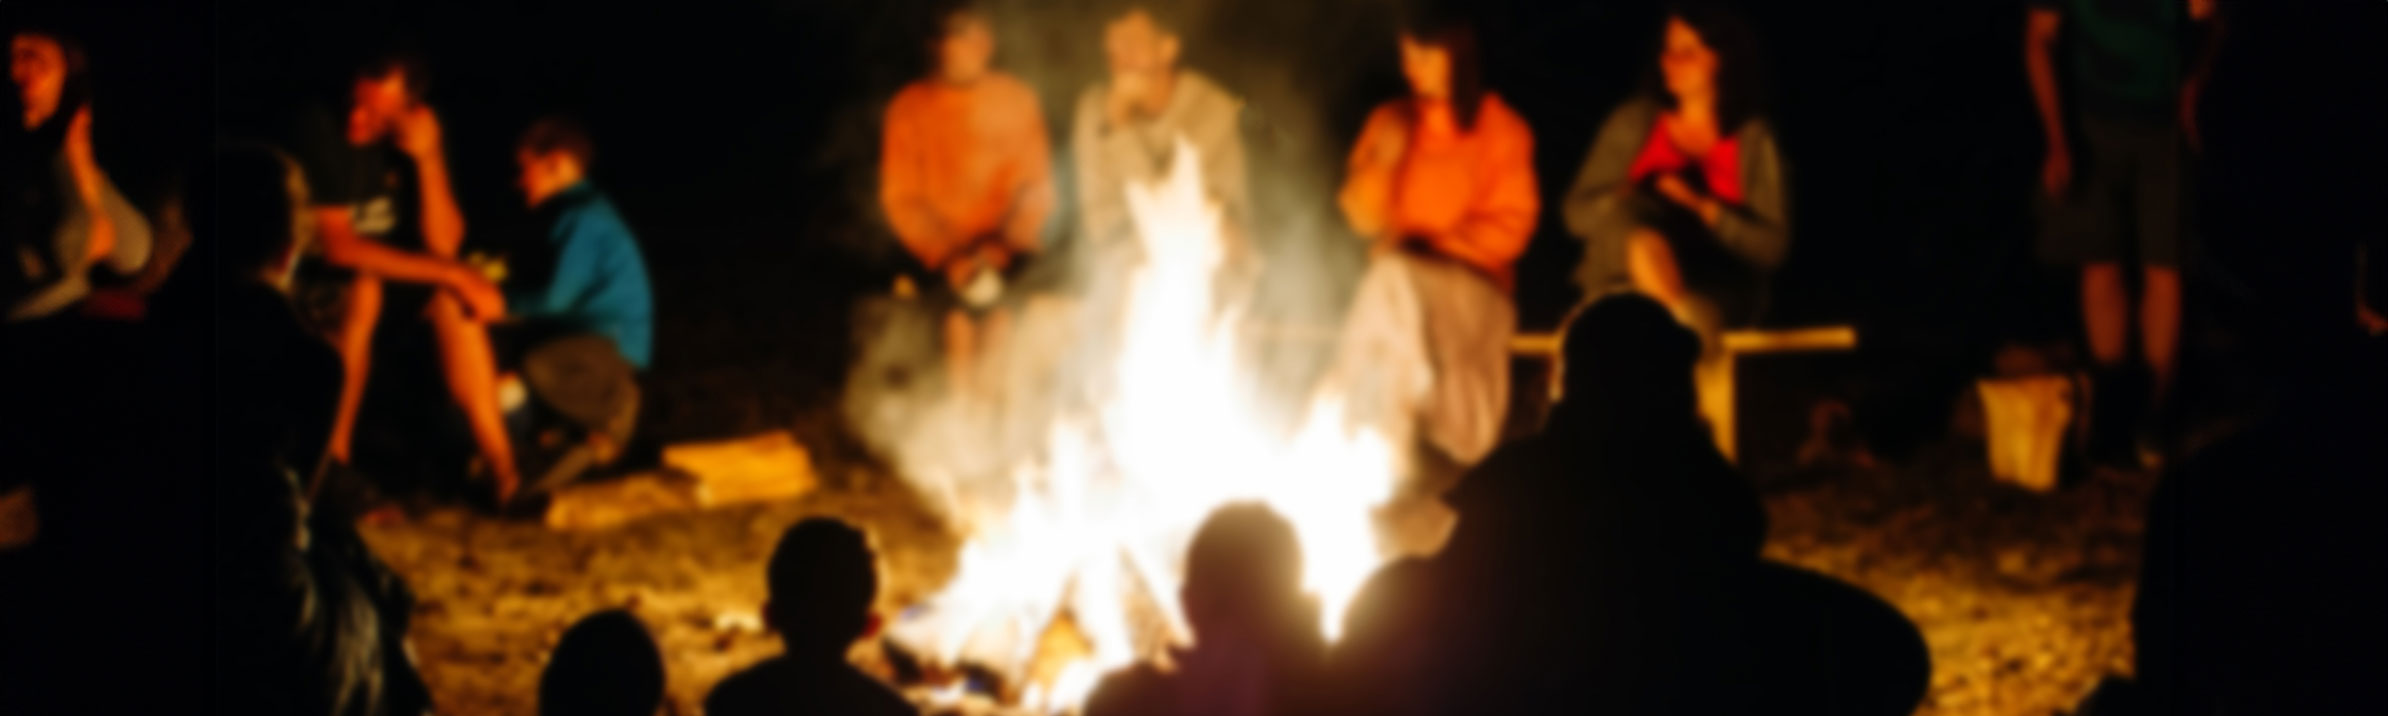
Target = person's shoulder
(1138,689)
(1207,92)
(910,98)
(746,692)
(1498,116)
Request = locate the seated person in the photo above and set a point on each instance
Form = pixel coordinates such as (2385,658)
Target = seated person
(1257,648)
(822,581)
(1593,563)
(308,620)
(389,229)
(1442,182)
(606,665)
(64,215)
(967,183)
(582,321)
(1682,196)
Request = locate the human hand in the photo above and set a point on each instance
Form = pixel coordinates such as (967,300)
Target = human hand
(417,131)
(1127,91)
(479,298)
(2056,172)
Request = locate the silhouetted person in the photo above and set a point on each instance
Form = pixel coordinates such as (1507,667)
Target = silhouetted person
(307,620)
(2112,184)
(1441,183)
(1683,195)
(2264,567)
(1257,648)
(822,580)
(606,665)
(1593,564)
(967,182)
(388,222)
(64,217)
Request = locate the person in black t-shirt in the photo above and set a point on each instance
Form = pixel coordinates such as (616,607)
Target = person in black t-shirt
(385,214)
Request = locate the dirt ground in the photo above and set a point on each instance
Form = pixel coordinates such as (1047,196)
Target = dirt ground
(2022,598)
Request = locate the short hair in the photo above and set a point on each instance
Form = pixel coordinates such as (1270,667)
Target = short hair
(822,580)
(1627,349)
(404,62)
(1740,71)
(248,212)
(558,133)
(1245,562)
(1170,16)
(942,13)
(606,665)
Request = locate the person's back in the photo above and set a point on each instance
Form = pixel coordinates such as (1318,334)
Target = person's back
(1257,648)
(822,581)
(1591,564)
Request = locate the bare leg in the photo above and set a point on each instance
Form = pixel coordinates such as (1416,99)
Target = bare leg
(961,352)
(471,366)
(356,359)
(2160,322)
(1651,265)
(2106,312)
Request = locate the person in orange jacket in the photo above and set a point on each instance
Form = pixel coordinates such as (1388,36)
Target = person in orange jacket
(1444,180)
(966,181)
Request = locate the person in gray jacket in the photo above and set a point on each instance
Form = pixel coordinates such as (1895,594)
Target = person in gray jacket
(1682,198)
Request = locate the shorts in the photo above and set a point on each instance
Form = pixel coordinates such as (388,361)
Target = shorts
(2126,194)
(322,292)
(578,375)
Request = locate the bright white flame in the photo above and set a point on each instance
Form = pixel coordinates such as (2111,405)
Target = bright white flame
(1098,528)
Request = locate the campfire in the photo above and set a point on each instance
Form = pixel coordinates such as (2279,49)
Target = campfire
(1072,569)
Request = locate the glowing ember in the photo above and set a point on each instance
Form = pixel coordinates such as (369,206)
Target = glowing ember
(1093,533)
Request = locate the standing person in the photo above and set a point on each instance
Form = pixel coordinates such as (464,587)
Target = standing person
(583,317)
(1682,196)
(822,581)
(2133,107)
(1128,126)
(64,215)
(966,180)
(378,175)
(1442,185)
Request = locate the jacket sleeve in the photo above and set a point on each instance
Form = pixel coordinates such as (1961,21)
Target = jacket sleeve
(1221,145)
(1367,195)
(1758,229)
(1595,206)
(900,187)
(1101,206)
(1033,199)
(1501,221)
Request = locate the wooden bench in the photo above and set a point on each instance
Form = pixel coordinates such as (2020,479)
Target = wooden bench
(1715,376)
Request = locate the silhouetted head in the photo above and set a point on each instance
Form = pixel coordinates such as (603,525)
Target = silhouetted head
(1244,573)
(822,580)
(606,665)
(1708,53)
(384,86)
(51,74)
(962,41)
(553,155)
(247,216)
(1440,58)
(1627,356)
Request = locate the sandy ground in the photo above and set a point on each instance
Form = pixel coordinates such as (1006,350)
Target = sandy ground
(2023,598)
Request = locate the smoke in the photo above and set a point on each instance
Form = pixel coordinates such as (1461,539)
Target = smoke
(1307,73)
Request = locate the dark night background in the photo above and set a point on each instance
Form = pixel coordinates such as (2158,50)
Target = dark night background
(739,140)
